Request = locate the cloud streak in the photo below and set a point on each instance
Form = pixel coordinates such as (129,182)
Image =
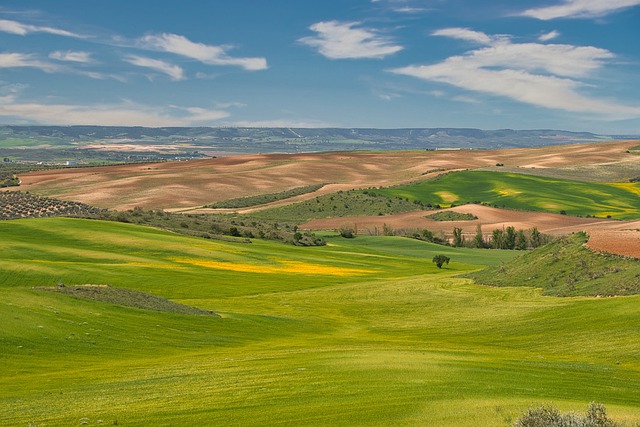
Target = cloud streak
(18,28)
(22,60)
(71,56)
(345,40)
(207,54)
(544,75)
(173,71)
(580,9)
(121,114)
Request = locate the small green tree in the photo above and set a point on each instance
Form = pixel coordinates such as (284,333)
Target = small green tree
(458,238)
(536,238)
(521,241)
(497,240)
(440,259)
(478,239)
(510,238)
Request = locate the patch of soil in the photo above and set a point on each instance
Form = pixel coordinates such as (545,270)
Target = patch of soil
(192,184)
(126,297)
(607,235)
(620,242)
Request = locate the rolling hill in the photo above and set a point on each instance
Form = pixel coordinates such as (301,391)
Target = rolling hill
(363,331)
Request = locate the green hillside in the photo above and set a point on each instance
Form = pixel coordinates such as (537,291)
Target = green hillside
(526,192)
(567,268)
(361,332)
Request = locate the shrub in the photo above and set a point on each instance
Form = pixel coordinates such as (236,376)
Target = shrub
(440,259)
(548,416)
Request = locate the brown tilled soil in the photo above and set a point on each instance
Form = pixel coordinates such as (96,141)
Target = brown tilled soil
(619,237)
(183,185)
(621,242)
(189,185)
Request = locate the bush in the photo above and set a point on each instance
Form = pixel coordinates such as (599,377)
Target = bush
(440,259)
(548,416)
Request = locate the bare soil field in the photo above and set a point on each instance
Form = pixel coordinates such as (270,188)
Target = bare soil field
(191,184)
(621,242)
(618,237)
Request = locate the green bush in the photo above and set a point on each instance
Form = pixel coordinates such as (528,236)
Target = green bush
(548,416)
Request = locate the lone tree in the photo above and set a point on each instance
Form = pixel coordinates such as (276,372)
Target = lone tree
(440,259)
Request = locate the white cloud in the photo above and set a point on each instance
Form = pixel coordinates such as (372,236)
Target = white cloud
(543,75)
(14,27)
(173,71)
(464,34)
(549,36)
(122,114)
(21,60)
(208,54)
(71,56)
(580,9)
(409,9)
(341,40)
(9,92)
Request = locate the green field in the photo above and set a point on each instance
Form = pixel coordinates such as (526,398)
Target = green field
(361,332)
(526,192)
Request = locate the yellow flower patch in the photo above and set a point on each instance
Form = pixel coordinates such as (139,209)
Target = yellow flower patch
(296,267)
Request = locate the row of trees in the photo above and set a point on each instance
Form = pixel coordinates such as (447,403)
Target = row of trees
(499,238)
(504,238)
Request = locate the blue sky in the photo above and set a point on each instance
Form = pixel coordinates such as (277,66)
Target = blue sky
(560,64)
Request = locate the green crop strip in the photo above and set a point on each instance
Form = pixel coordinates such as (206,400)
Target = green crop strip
(525,192)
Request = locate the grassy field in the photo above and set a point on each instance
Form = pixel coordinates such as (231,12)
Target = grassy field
(526,192)
(339,204)
(363,331)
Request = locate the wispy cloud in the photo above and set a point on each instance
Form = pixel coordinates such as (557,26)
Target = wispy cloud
(71,56)
(15,27)
(173,71)
(345,40)
(580,9)
(549,36)
(464,34)
(122,114)
(544,75)
(22,60)
(207,54)
(402,6)
(9,92)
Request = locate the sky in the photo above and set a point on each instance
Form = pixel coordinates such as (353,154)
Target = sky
(488,64)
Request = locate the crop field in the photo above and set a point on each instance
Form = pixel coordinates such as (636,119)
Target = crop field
(365,331)
(527,193)
(204,182)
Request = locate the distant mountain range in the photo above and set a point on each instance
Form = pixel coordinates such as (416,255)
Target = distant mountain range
(290,140)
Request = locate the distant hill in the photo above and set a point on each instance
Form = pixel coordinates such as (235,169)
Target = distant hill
(291,140)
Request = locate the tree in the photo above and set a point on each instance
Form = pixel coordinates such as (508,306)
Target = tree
(497,241)
(458,238)
(536,239)
(440,259)
(478,239)
(510,238)
(521,241)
